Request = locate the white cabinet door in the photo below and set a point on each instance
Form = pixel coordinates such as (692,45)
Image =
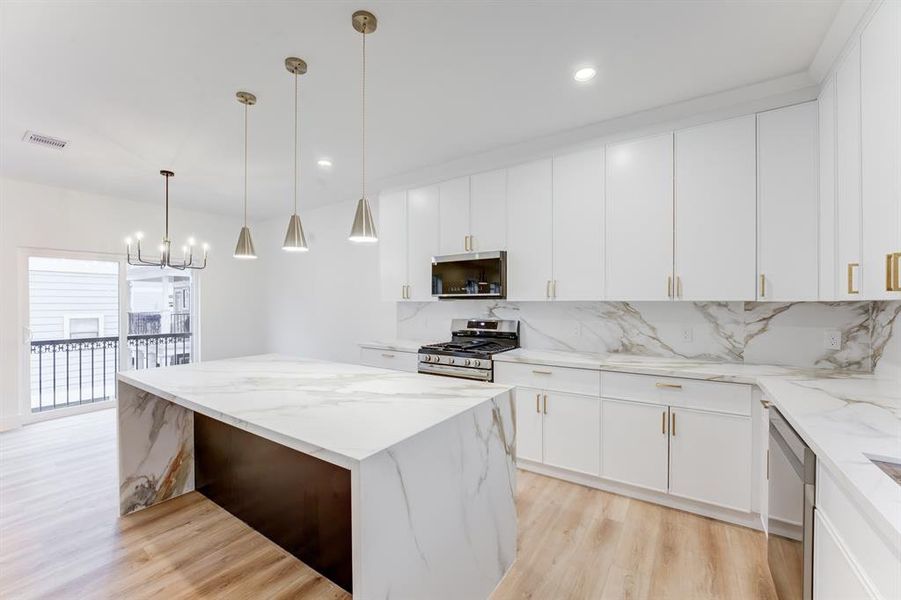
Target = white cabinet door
(710,458)
(847,180)
(529,231)
(488,211)
(835,577)
(787,182)
(579,226)
(453,215)
(639,223)
(634,443)
(572,432)
(716,200)
(827,242)
(880,128)
(422,244)
(393,245)
(528,423)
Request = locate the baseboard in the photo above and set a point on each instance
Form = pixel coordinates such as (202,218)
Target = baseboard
(749,520)
(9,423)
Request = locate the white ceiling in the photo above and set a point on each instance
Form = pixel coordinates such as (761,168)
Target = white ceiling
(140,86)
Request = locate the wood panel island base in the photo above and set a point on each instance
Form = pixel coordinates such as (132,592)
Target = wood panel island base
(392,485)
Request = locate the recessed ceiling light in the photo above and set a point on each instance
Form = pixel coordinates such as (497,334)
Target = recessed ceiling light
(324,162)
(585,74)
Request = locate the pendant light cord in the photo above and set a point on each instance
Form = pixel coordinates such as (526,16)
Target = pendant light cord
(245,165)
(363,119)
(167,206)
(296,166)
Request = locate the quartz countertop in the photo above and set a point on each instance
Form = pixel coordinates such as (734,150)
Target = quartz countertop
(395,345)
(653,365)
(342,413)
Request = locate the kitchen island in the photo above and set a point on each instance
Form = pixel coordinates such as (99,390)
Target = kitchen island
(392,485)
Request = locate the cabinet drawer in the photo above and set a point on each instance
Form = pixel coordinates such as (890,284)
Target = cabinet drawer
(733,398)
(860,540)
(389,359)
(560,379)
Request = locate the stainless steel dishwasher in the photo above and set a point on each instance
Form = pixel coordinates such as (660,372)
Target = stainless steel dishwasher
(791,478)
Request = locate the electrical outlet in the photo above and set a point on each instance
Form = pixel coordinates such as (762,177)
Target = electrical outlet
(687,334)
(832,339)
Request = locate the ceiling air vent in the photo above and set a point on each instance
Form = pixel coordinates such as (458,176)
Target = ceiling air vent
(45,140)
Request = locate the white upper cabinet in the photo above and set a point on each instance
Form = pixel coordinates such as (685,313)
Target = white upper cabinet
(579,226)
(880,113)
(488,211)
(787,178)
(422,240)
(639,219)
(847,179)
(393,245)
(716,199)
(529,231)
(826,105)
(453,216)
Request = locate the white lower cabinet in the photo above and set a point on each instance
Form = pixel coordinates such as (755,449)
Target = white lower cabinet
(572,432)
(528,424)
(836,577)
(634,443)
(683,442)
(710,457)
(558,429)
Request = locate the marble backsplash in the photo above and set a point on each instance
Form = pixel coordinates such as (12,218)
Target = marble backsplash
(790,333)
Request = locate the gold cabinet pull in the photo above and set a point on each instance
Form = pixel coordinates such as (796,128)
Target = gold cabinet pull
(669,286)
(893,272)
(762,285)
(537,405)
(386,355)
(672,425)
(553,288)
(545,404)
(851,267)
(765,403)
(672,386)
(537,372)
(663,422)
(547,289)
(678,286)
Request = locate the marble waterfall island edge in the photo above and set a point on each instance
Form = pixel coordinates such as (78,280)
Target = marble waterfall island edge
(433,490)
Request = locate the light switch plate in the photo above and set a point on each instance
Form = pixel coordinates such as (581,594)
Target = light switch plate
(832,339)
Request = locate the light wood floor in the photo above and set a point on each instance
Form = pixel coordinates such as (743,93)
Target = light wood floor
(61,537)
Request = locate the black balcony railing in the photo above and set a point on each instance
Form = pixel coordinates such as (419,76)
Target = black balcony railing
(83,371)
(180,322)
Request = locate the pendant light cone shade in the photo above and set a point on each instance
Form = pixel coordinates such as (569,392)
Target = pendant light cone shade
(244,249)
(295,241)
(363,230)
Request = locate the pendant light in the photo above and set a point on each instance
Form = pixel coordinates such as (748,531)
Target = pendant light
(294,238)
(363,230)
(244,248)
(165,258)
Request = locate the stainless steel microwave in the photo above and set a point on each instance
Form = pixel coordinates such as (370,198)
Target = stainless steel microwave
(470,275)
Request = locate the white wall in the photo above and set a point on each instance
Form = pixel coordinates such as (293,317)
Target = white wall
(232,321)
(322,302)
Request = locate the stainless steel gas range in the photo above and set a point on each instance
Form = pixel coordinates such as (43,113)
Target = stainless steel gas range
(468,354)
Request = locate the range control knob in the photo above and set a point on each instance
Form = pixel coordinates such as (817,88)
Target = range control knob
(451,361)
(476,363)
(467,362)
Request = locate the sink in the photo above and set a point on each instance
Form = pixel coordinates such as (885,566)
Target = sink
(889,466)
